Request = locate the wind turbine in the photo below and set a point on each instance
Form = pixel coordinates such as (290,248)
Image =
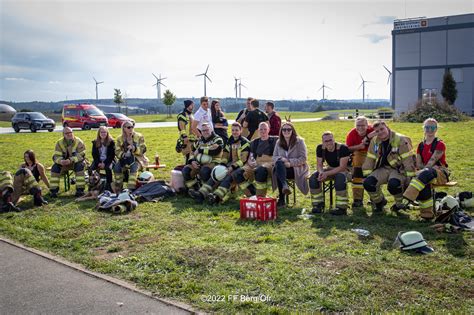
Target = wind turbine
(205,77)
(240,88)
(389,81)
(96,89)
(363,87)
(158,85)
(322,88)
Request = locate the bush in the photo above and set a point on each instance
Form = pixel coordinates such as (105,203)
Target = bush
(385,112)
(440,111)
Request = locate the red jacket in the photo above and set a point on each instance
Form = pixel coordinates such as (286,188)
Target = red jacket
(275,124)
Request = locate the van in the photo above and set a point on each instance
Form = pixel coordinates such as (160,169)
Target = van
(85,116)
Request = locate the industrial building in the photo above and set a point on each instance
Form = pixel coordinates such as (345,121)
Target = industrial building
(422,50)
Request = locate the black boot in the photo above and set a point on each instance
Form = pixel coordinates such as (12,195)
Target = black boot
(37,197)
(357,204)
(379,206)
(10,207)
(338,211)
(53,193)
(213,199)
(281,201)
(79,192)
(318,208)
(196,195)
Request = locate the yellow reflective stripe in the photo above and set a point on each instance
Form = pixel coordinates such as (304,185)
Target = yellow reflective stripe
(392,162)
(6,182)
(58,153)
(190,183)
(417,184)
(239,163)
(406,154)
(411,174)
(75,159)
(371,155)
(260,185)
(224,161)
(425,203)
(182,132)
(206,151)
(366,172)
(246,145)
(216,160)
(244,185)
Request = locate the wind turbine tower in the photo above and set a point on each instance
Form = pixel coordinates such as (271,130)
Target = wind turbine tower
(158,85)
(389,81)
(240,88)
(323,87)
(97,89)
(363,87)
(205,77)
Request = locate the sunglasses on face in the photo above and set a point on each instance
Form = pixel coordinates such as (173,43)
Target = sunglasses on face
(327,141)
(430,128)
(286,129)
(129,127)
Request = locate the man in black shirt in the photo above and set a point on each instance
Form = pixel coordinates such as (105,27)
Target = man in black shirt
(336,156)
(260,164)
(253,119)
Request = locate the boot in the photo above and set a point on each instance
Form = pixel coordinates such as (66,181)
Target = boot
(357,204)
(427,213)
(196,195)
(281,201)
(10,207)
(213,199)
(379,206)
(318,208)
(53,193)
(285,189)
(338,211)
(37,197)
(79,192)
(396,208)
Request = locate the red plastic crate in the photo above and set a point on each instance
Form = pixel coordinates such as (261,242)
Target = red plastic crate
(262,209)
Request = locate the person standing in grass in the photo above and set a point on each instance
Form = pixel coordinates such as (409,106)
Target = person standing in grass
(130,153)
(390,161)
(186,136)
(273,118)
(290,162)
(432,168)
(69,153)
(358,140)
(253,119)
(202,116)
(241,115)
(219,121)
(336,155)
(103,154)
(259,165)
(236,153)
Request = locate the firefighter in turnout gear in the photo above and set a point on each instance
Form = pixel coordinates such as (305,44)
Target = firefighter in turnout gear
(259,165)
(358,140)
(432,168)
(236,153)
(130,153)
(69,153)
(6,193)
(336,155)
(210,145)
(390,161)
(186,137)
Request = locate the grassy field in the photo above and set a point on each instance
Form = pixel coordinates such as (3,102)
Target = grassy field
(204,255)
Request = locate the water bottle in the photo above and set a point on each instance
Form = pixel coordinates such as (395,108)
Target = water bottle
(361,232)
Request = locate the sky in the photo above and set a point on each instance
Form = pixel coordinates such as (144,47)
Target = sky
(51,50)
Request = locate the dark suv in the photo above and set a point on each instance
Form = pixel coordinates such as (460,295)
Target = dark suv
(33,121)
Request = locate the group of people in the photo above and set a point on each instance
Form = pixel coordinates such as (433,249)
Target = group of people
(119,158)
(264,153)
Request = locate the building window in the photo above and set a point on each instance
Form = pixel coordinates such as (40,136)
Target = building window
(457,75)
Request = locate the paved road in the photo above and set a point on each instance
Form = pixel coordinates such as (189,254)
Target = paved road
(31,284)
(9,130)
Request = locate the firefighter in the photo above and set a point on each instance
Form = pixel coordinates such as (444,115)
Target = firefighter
(6,193)
(357,141)
(211,145)
(389,161)
(12,187)
(69,154)
(236,153)
(336,156)
(432,168)
(186,137)
(130,153)
(259,165)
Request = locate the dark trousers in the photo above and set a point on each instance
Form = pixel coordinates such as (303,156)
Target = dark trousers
(282,174)
(108,170)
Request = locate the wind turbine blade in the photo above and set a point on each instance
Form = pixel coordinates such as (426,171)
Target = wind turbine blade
(94,79)
(162,84)
(155,76)
(163,79)
(320,88)
(388,79)
(154,84)
(360,86)
(390,72)
(243,85)
(207,69)
(328,87)
(100,82)
(361,77)
(208,78)
(198,75)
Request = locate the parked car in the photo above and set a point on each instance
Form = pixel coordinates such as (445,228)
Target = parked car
(85,116)
(116,119)
(33,121)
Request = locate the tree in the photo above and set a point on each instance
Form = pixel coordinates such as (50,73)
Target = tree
(118,99)
(449,91)
(169,99)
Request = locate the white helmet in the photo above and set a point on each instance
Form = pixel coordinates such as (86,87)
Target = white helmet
(146,177)
(414,241)
(219,173)
(203,158)
(449,203)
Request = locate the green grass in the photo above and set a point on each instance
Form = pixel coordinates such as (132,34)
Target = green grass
(188,252)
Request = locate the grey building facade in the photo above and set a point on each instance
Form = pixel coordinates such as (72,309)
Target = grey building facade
(422,50)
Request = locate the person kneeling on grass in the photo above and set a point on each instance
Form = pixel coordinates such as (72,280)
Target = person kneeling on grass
(432,168)
(130,153)
(259,165)
(336,155)
(210,146)
(289,158)
(69,153)
(236,153)
(11,188)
